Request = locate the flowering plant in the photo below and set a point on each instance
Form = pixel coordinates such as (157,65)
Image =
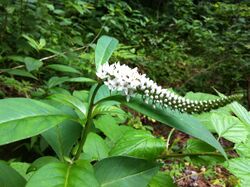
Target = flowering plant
(84,128)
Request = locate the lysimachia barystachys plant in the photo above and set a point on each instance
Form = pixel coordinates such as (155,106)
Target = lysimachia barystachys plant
(130,82)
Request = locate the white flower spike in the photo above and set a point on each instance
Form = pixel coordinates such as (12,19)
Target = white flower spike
(129,81)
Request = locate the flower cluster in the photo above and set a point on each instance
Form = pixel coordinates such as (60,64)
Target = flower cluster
(129,81)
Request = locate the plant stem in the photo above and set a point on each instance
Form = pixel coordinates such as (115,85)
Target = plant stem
(168,140)
(192,154)
(88,124)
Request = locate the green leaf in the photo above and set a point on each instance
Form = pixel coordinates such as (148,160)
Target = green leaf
(54,174)
(240,167)
(9,177)
(54,81)
(162,179)
(22,118)
(40,162)
(183,122)
(32,64)
(138,143)
(241,113)
(108,108)
(229,127)
(102,92)
(243,148)
(108,125)
(206,119)
(95,147)
(21,73)
(71,101)
(83,95)
(196,146)
(21,168)
(104,49)
(63,68)
(200,96)
(62,137)
(32,42)
(82,79)
(124,171)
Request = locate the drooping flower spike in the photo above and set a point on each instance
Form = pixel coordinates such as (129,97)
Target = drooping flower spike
(129,81)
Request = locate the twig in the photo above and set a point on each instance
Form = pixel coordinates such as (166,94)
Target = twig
(76,49)
(187,176)
(200,72)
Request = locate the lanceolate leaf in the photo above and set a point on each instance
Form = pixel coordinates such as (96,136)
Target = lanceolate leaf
(104,49)
(124,171)
(22,118)
(9,177)
(57,174)
(63,68)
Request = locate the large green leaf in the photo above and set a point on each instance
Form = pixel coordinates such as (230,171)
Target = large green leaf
(138,143)
(95,147)
(183,122)
(22,118)
(240,167)
(229,127)
(9,177)
(124,171)
(60,174)
(104,49)
(62,137)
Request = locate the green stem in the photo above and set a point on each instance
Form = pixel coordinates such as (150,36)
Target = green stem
(88,124)
(192,154)
(168,140)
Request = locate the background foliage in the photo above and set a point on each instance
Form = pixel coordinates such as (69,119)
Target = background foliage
(181,44)
(48,53)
